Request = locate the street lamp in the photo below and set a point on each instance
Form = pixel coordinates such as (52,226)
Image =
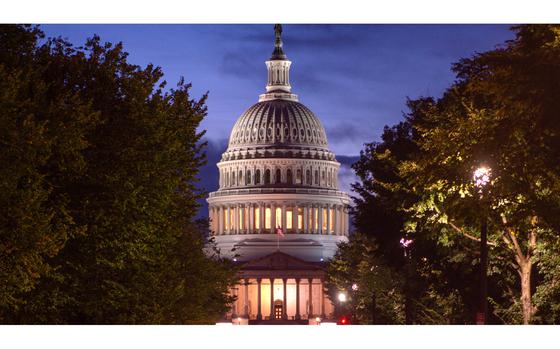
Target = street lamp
(342,297)
(481,179)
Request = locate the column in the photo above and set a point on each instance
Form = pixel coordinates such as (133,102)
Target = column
(285,301)
(284,219)
(313,219)
(336,228)
(227,220)
(272,218)
(295,215)
(305,219)
(271,298)
(310,310)
(347,224)
(261,218)
(219,220)
(320,213)
(234,305)
(298,316)
(236,219)
(342,219)
(246,307)
(259,314)
(251,218)
(328,209)
(322,293)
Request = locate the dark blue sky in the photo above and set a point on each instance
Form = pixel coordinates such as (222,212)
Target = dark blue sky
(355,78)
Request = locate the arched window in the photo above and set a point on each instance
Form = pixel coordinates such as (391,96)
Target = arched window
(240,178)
(227,179)
(308,177)
(267,176)
(278,176)
(289,176)
(298,176)
(248,177)
(316,177)
(258,177)
(233,178)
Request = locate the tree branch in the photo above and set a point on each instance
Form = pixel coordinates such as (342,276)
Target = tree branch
(474,238)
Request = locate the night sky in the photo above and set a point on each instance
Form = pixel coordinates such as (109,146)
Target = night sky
(355,78)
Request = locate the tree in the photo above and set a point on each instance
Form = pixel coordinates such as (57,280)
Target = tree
(435,282)
(377,294)
(500,112)
(135,254)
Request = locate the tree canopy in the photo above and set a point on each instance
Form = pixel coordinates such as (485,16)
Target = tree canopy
(99,171)
(418,183)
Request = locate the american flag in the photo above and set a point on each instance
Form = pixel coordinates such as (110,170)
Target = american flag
(279,231)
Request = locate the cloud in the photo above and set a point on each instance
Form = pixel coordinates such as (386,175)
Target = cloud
(346,175)
(208,175)
(342,132)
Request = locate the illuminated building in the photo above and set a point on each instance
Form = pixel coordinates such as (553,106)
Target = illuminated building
(278,172)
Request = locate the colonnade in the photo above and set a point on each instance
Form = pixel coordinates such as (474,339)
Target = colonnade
(242,308)
(264,218)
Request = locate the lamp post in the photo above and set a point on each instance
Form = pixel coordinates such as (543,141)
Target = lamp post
(481,179)
(405,243)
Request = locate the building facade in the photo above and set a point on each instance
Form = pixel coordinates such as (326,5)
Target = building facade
(278,211)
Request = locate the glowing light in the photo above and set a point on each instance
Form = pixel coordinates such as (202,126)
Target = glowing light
(481,176)
(354,287)
(342,297)
(322,260)
(405,242)
(318,319)
(235,259)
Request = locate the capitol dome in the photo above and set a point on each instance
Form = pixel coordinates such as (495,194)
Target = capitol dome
(278,173)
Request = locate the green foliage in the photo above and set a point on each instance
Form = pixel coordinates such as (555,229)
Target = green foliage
(500,112)
(355,263)
(101,167)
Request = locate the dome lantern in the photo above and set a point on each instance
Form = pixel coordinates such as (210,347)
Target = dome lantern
(278,82)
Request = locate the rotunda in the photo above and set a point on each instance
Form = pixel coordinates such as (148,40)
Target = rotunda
(278,203)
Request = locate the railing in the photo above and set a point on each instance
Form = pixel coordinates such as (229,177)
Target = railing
(248,191)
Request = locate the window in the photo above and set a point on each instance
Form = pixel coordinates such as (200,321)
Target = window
(300,218)
(331,215)
(278,217)
(308,177)
(267,176)
(316,216)
(241,218)
(231,218)
(289,176)
(248,177)
(258,177)
(267,218)
(232,178)
(298,177)
(316,177)
(289,218)
(278,176)
(257,218)
(324,225)
(240,178)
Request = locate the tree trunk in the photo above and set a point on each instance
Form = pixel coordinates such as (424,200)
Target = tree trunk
(526,303)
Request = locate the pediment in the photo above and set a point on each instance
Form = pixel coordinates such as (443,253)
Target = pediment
(280,261)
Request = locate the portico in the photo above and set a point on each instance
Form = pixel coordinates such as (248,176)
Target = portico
(291,289)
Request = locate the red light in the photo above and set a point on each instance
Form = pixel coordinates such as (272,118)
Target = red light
(343,320)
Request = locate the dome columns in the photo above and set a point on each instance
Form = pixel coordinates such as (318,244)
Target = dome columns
(294,217)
